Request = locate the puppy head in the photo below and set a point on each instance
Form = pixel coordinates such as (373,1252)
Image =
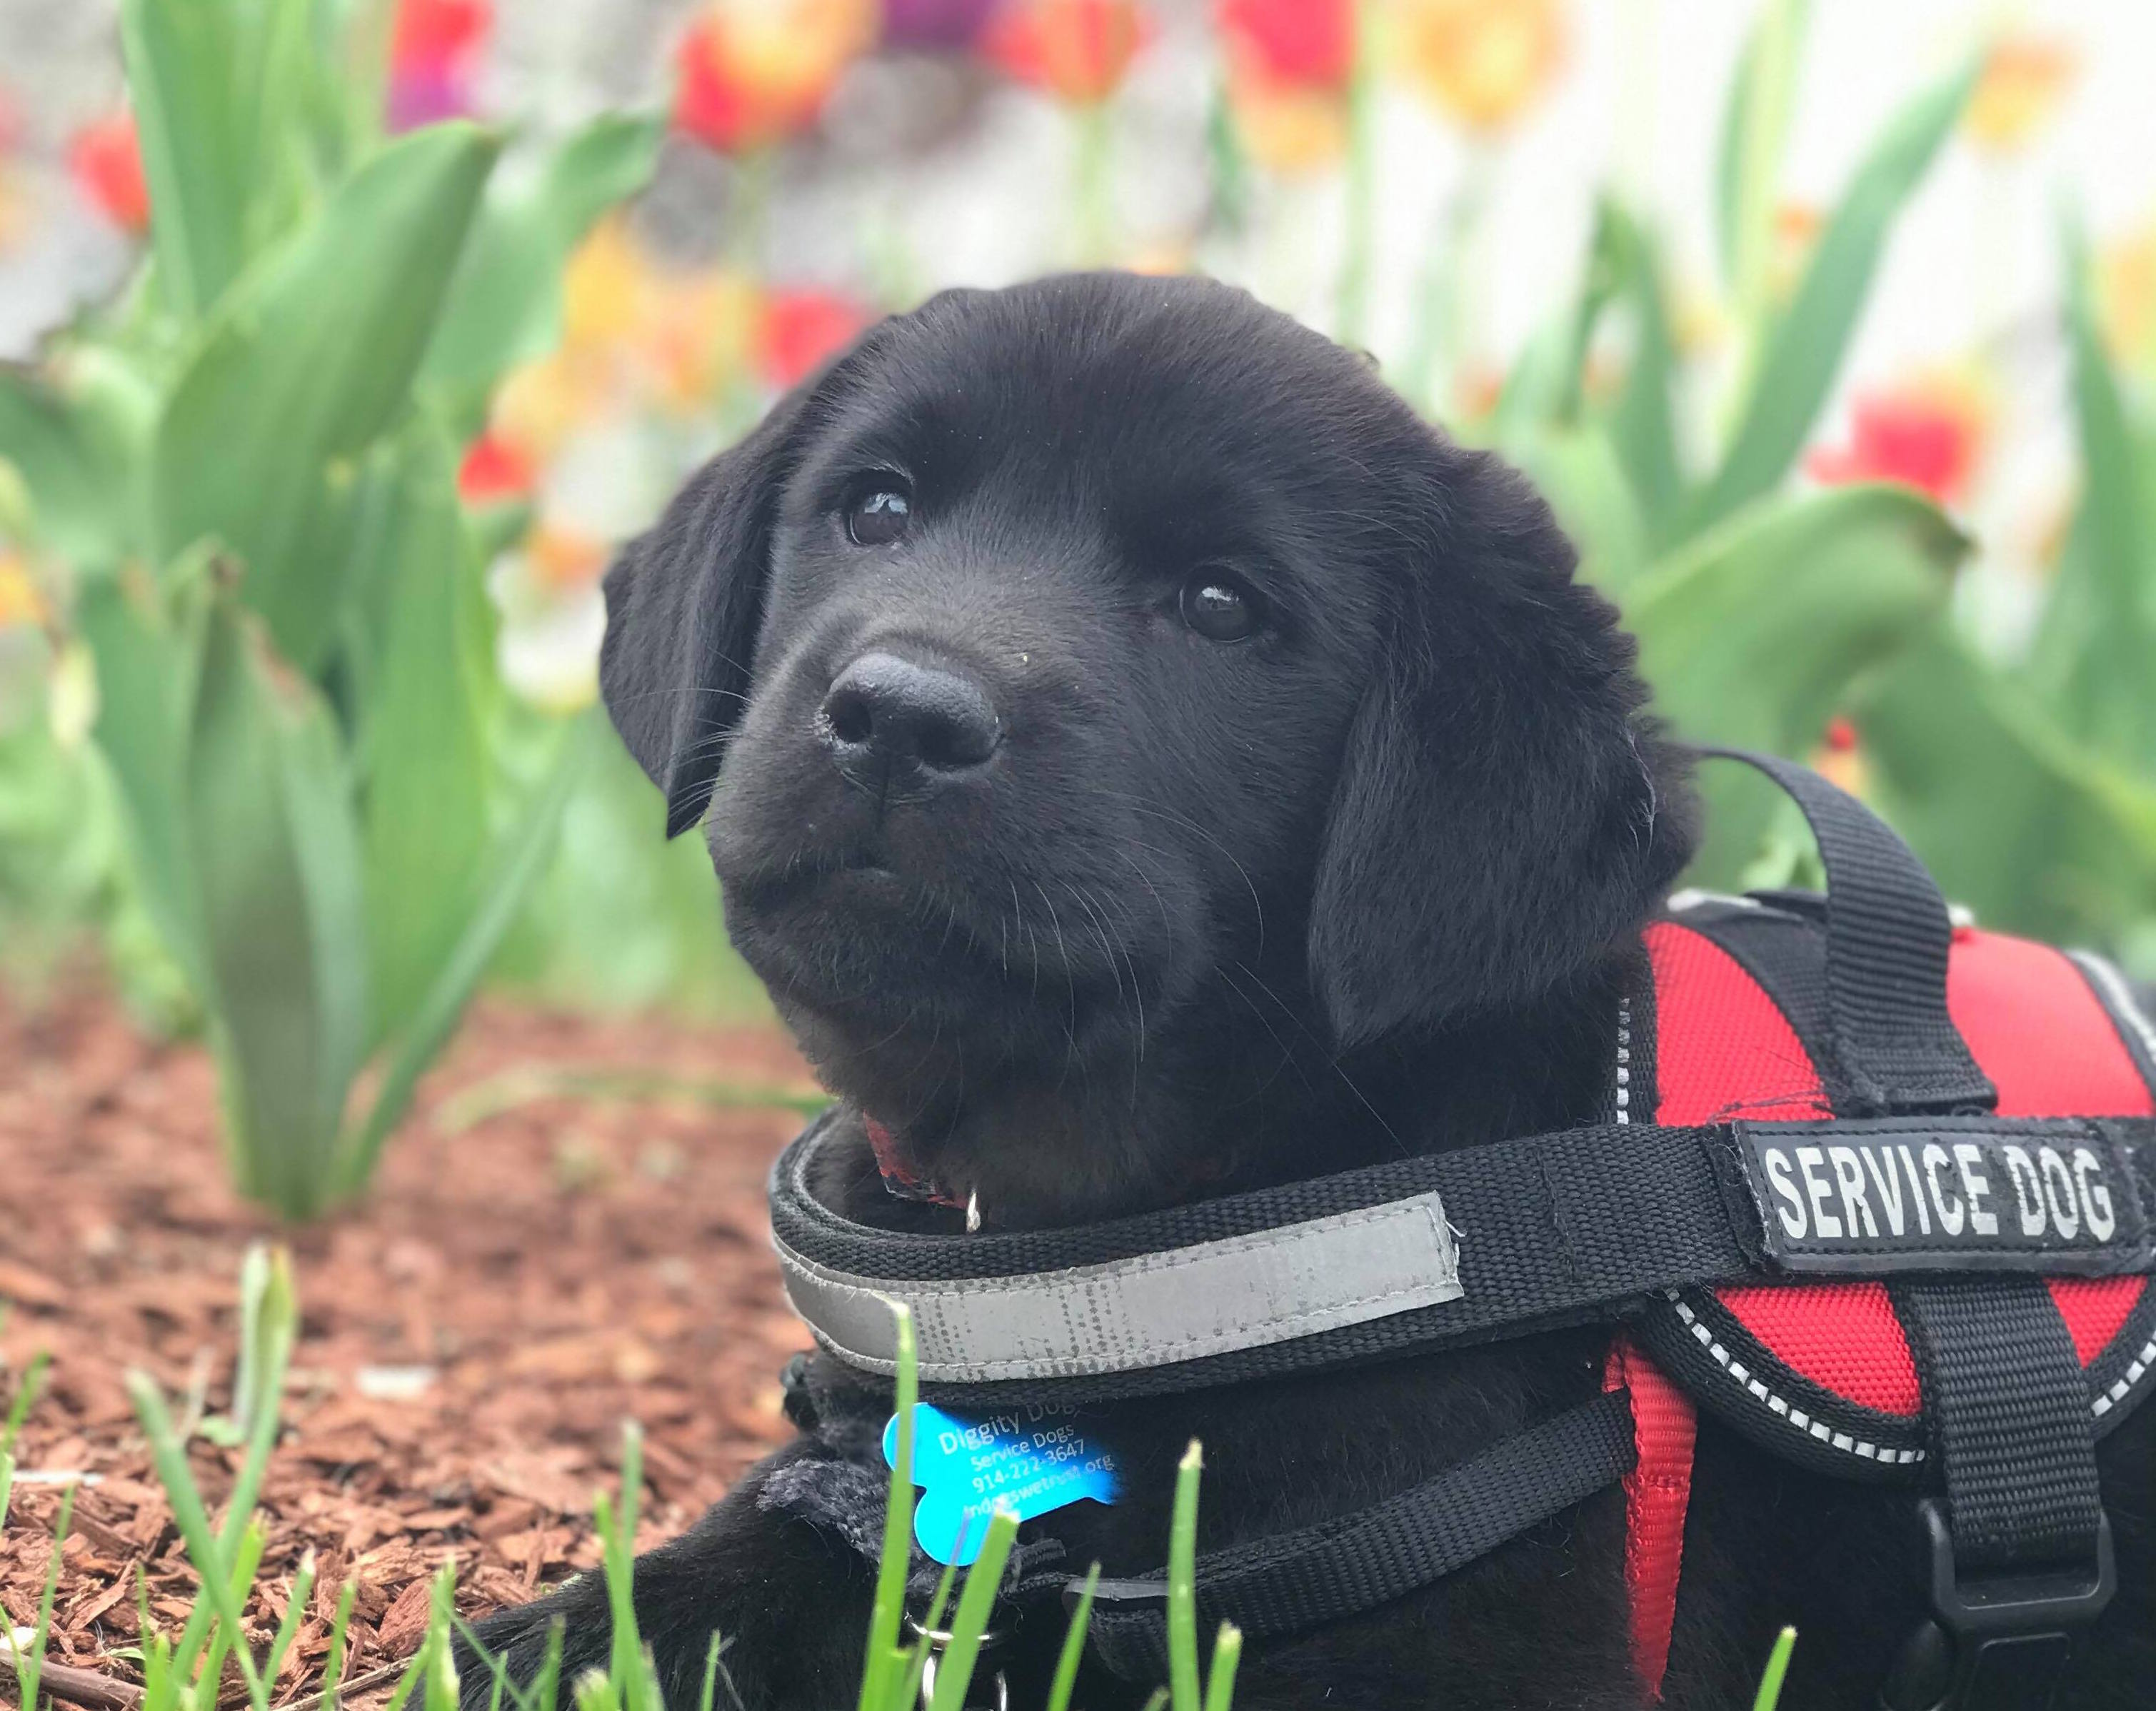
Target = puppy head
(1067,658)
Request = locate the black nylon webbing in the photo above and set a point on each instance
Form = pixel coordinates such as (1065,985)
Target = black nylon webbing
(1886,940)
(1357,1562)
(2010,1412)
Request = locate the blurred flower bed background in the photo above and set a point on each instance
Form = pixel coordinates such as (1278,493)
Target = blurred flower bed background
(1831,329)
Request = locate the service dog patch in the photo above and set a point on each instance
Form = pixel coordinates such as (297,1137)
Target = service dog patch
(1943,1194)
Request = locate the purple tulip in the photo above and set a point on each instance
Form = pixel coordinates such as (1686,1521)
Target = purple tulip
(934,23)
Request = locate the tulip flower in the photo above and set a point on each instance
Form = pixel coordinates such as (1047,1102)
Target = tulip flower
(802,329)
(1482,61)
(2126,289)
(106,162)
(1302,44)
(934,23)
(20,603)
(1289,62)
(1839,757)
(2022,81)
(431,58)
(754,72)
(1077,50)
(1928,434)
(495,468)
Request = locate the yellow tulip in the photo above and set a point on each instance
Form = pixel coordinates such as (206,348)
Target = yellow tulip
(20,601)
(2126,289)
(1290,129)
(1482,61)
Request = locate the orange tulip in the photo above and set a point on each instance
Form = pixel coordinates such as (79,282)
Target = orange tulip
(2024,80)
(755,71)
(1077,50)
(1482,61)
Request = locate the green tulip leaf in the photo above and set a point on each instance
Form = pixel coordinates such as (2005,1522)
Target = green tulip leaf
(2036,831)
(424,755)
(1802,355)
(505,305)
(308,360)
(276,852)
(1751,635)
(2095,650)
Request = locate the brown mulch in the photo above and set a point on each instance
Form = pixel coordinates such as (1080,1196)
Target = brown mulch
(473,1336)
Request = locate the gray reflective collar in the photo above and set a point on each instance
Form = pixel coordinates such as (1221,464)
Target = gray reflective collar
(1148,1310)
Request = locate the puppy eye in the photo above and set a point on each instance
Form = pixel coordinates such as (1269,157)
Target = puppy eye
(1219,607)
(879,514)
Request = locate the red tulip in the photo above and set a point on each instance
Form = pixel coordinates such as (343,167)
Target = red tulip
(1290,44)
(804,328)
(1922,436)
(751,75)
(1077,50)
(106,162)
(494,469)
(433,35)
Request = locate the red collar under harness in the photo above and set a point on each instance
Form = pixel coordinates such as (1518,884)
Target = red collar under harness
(1874,1191)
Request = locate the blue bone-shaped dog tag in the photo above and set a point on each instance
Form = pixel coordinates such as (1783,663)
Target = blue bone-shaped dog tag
(1028,1460)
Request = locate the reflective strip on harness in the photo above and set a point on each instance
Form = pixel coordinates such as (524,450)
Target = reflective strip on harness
(1210,1297)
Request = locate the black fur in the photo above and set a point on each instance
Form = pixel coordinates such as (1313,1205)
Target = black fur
(1212,914)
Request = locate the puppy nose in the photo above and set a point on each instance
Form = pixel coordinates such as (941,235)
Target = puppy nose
(893,711)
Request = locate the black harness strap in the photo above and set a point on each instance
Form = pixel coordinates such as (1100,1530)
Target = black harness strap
(2016,1441)
(1357,1562)
(1886,938)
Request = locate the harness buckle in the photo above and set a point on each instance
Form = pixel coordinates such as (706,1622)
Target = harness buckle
(1995,1643)
(938,1642)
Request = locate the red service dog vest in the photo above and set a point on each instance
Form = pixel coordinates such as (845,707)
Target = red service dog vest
(1821,1370)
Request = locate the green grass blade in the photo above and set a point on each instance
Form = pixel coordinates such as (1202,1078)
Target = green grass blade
(1158,1700)
(618,1537)
(303,1587)
(7,1487)
(1182,1583)
(547,1685)
(439,1678)
(26,1397)
(709,1692)
(1777,1668)
(28,1669)
(333,1665)
(890,1605)
(203,1549)
(1227,1653)
(1074,1645)
(976,1603)
(908,1665)
(220,1639)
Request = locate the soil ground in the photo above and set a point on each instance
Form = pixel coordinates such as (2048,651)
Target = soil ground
(532,1268)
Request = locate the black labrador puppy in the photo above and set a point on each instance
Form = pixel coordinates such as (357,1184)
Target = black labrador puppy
(1146,761)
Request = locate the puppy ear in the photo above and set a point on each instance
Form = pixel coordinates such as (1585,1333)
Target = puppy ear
(684,601)
(1505,815)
